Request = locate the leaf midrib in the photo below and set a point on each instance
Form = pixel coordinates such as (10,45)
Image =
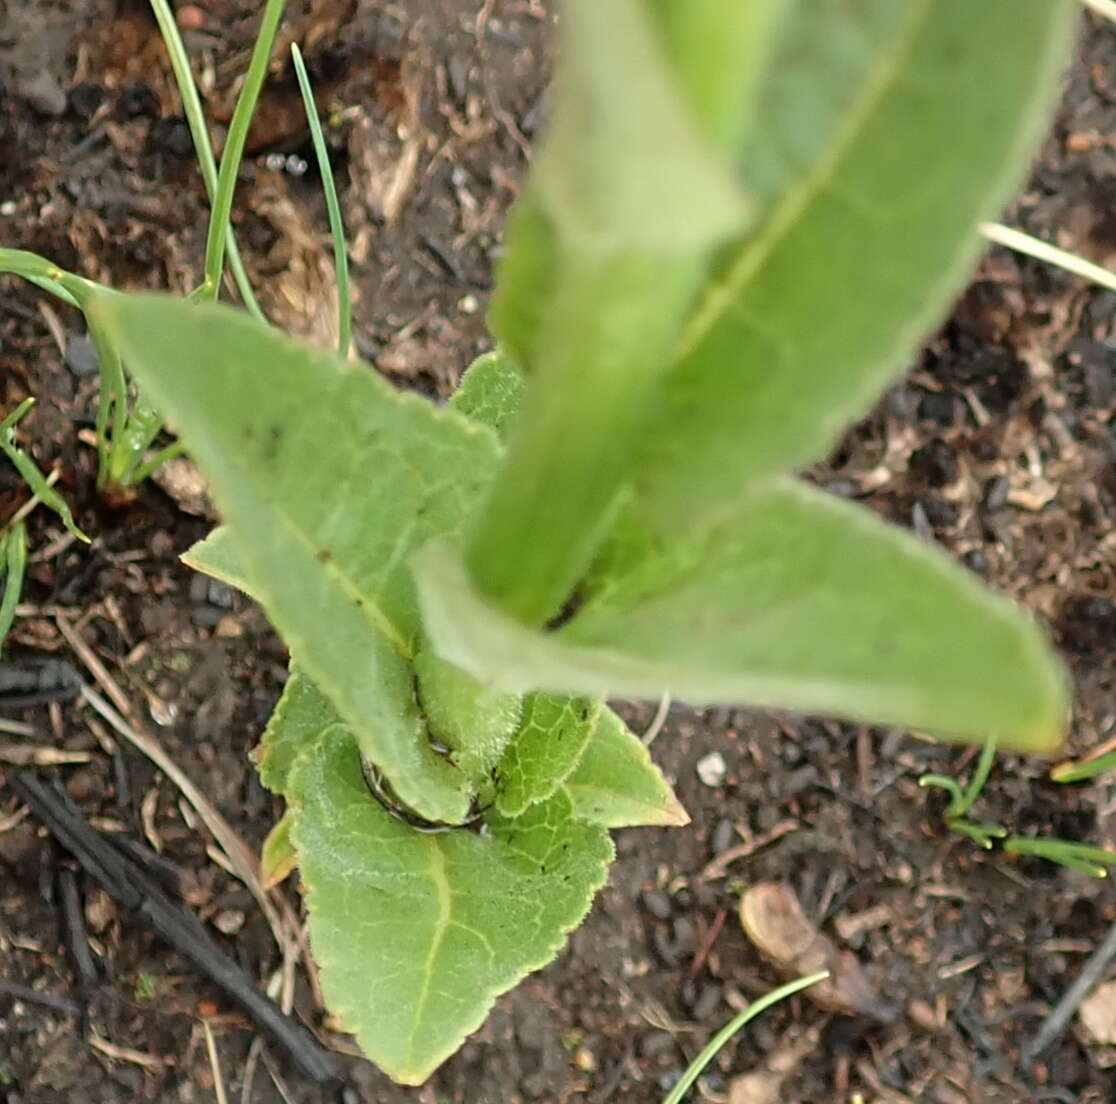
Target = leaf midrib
(441,925)
(723,294)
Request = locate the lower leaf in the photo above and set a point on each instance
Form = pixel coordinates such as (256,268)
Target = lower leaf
(417,934)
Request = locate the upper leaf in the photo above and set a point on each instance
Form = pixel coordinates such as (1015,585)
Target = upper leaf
(440,924)
(799,601)
(328,478)
(602,173)
(885,130)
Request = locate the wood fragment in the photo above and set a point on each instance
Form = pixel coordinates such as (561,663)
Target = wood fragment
(127,883)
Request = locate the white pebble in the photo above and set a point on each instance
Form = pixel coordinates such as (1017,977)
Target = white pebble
(711,769)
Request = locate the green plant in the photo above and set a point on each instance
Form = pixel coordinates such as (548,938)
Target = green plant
(127,425)
(13,533)
(743,218)
(1077,856)
(1089,766)
(741,1019)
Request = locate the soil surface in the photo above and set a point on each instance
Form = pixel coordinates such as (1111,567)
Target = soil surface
(998,444)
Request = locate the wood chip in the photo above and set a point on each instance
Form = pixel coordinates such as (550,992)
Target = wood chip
(774,921)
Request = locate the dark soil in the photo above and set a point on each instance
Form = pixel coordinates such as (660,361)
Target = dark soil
(998,445)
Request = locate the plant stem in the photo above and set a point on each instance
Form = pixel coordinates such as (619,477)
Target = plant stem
(979,777)
(733,1026)
(234,148)
(336,227)
(195,120)
(175,448)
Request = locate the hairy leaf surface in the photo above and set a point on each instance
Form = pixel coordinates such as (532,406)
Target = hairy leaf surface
(328,478)
(616,784)
(552,737)
(801,601)
(440,924)
(491,391)
(885,130)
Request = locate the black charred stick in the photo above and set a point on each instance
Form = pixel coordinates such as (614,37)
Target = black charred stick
(124,880)
(173,878)
(32,996)
(74,933)
(36,682)
(120,778)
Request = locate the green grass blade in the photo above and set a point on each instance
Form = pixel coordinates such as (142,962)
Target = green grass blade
(1077,856)
(944,782)
(34,478)
(333,207)
(980,776)
(733,1026)
(1084,769)
(195,120)
(13,554)
(234,147)
(1019,242)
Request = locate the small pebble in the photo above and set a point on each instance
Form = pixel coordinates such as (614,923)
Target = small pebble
(85,98)
(711,769)
(922,1016)
(656,1042)
(723,835)
(81,357)
(43,92)
(585,1059)
(656,903)
(190,17)
(664,948)
(707,1003)
(100,910)
(229,921)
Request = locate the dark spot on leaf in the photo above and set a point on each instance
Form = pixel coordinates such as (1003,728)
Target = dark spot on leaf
(274,440)
(323,555)
(567,613)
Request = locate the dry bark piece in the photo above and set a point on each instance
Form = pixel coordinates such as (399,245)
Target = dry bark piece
(773,920)
(1098,1014)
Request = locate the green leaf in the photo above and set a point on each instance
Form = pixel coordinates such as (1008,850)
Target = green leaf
(327,478)
(491,392)
(884,132)
(617,785)
(719,53)
(801,601)
(216,556)
(550,742)
(302,713)
(278,857)
(526,276)
(439,924)
(475,722)
(602,174)
(13,564)
(617,238)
